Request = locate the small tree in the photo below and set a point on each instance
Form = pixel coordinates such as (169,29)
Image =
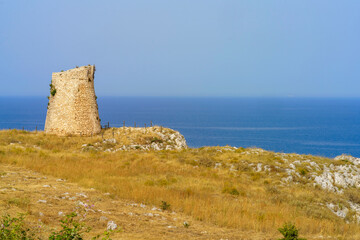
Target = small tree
(289,232)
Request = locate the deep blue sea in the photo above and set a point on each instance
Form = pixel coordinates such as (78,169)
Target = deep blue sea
(325,127)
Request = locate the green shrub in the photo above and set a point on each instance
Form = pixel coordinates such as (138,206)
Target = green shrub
(230,190)
(52,89)
(289,232)
(14,229)
(53,92)
(165,206)
(303,171)
(71,229)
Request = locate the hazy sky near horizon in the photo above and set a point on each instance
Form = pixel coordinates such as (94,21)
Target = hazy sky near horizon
(184,48)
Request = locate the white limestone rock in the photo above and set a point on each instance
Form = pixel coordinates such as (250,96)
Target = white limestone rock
(354,160)
(111,225)
(338,211)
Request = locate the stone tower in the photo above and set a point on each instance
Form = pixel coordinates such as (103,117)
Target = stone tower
(72,107)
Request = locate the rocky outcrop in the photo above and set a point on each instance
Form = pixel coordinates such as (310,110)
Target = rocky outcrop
(336,175)
(345,157)
(145,139)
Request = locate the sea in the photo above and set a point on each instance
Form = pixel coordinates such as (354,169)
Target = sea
(319,126)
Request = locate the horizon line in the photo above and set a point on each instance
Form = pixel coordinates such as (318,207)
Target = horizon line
(200,96)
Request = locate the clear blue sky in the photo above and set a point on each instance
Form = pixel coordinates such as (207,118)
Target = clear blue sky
(184,48)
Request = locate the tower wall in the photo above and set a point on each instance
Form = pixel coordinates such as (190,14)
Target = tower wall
(73,108)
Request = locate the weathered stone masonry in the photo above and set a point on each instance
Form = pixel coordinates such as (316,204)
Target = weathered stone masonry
(73,108)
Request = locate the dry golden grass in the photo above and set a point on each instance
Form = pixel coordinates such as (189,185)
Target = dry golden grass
(188,180)
(21,189)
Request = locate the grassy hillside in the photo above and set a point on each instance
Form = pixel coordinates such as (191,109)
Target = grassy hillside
(243,189)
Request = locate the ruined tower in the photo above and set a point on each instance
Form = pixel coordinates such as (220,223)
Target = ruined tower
(72,107)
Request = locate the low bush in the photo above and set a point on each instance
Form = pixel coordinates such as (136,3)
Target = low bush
(71,229)
(165,206)
(289,232)
(12,228)
(230,190)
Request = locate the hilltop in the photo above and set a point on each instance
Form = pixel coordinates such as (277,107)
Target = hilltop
(222,192)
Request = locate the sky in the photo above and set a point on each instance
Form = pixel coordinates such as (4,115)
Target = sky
(203,48)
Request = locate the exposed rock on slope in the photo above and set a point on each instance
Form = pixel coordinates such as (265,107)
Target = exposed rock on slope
(354,160)
(339,175)
(336,176)
(130,138)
